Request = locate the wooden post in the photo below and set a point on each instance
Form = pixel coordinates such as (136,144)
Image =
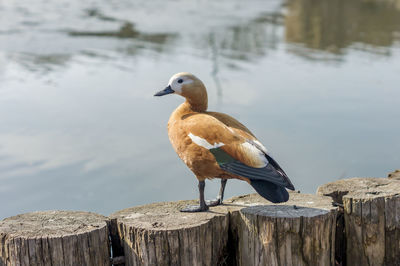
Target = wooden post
(299,232)
(372,219)
(246,230)
(54,238)
(158,234)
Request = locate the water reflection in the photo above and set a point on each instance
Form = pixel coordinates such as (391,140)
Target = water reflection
(215,68)
(95,12)
(127,31)
(77,79)
(308,26)
(248,40)
(333,25)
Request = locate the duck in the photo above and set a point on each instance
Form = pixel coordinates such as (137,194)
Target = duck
(216,145)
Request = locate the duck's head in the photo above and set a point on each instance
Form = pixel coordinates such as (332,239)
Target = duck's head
(189,86)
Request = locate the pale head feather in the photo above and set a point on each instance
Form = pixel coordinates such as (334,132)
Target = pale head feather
(190,87)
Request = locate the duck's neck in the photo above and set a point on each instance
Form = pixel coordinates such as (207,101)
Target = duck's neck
(195,106)
(198,103)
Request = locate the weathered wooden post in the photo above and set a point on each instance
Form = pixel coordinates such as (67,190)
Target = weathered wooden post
(158,234)
(54,238)
(299,232)
(246,230)
(372,218)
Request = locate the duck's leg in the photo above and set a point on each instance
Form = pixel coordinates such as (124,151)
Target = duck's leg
(220,196)
(202,204)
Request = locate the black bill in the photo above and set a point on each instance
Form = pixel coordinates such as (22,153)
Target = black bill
(165,91)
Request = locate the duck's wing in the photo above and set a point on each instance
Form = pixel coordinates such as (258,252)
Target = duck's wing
(251,162)
(235,153)
(233,124)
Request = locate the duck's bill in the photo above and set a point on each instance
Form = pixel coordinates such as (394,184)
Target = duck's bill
(165,91)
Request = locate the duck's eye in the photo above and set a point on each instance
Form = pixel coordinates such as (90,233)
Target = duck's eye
(180,80)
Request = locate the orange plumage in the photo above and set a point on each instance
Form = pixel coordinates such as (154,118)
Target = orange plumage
(215,145)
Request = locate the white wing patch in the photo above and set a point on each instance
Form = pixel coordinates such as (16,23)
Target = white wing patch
(204,143)
(257,152)
(262,147)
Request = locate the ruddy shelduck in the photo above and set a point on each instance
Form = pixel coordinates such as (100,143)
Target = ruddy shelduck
(215,145)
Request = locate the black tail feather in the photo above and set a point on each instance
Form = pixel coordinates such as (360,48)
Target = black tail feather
(270,191)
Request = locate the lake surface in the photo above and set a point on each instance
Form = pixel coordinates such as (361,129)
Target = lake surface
(318,82)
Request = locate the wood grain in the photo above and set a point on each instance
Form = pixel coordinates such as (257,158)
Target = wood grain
(371,209)
(299,232)
(246,230)
(54,238)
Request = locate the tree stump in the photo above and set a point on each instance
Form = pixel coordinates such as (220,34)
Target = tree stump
(54,238)
(234,233)
(369,185)
(298,232)
(372,219)
(159,234)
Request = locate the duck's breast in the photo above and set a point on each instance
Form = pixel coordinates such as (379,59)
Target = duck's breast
(199,159)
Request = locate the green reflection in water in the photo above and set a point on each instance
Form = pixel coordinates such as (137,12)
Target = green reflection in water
(128,31)
(332,25)
(252,38)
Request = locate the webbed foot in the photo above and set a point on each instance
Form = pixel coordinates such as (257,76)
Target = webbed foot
(214,202)
(195,208)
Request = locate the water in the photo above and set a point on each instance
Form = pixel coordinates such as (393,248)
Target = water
(316,81)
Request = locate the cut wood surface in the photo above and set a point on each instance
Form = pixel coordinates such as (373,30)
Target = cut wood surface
(159,234)
(368,185)
(372,219)
(298,232)
(54,238)
(246,230)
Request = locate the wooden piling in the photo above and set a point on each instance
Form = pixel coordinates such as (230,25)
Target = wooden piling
(372,219)
(298,232)
(159,234)
(54,238)
(246,230)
